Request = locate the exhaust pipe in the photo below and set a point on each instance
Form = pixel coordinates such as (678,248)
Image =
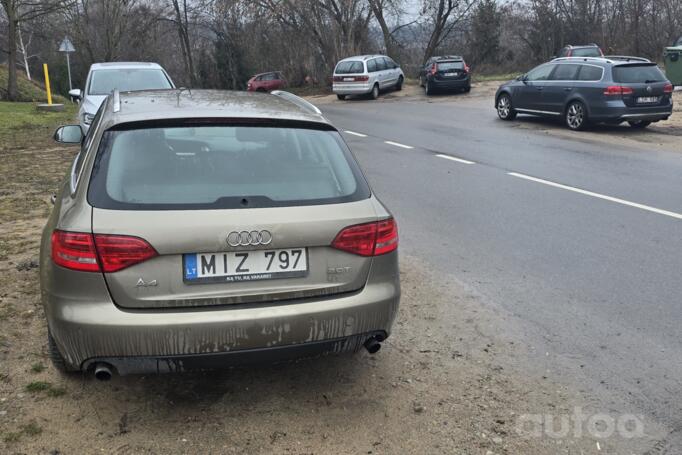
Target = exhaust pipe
(372,345)
(103,372)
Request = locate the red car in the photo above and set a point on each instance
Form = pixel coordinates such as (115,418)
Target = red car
(266,82)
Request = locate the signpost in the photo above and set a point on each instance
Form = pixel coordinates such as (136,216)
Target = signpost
(67,47)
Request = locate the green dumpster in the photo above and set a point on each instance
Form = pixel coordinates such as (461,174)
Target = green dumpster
(672,57)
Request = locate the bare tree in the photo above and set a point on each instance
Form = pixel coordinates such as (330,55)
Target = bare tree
(24,51)
(444,16)
(18,11)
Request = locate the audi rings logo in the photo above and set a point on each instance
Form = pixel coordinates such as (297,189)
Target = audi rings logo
(246,238)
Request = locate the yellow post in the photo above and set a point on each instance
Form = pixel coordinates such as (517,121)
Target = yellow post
(47,84)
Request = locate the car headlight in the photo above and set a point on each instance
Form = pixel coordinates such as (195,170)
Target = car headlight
(88,118)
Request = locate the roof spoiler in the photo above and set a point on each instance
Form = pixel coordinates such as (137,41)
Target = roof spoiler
(297,100)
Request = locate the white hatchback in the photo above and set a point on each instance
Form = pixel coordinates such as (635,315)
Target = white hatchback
(366,74)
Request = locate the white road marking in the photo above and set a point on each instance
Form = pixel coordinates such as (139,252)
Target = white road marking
(397,144)
(597,195)
(452,158)
(356,134)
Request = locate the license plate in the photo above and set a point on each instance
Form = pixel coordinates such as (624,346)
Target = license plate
(647,99)
(450,74)
(348,79)
(229,267)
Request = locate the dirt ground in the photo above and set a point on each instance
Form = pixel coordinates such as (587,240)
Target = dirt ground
(446,381)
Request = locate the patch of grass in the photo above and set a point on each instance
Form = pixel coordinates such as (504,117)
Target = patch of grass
(48,388)
(56,392)
(493,77)
(11,437)
(22,125)
(28,90)
(38,386)
(37,367)
(31,429)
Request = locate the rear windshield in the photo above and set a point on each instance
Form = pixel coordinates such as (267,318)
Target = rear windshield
(586,52)
(103,82)
(444,66)
(350,67)
(633,74)
(204,167)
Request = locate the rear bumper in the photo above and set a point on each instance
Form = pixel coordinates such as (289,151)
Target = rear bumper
(450,84)
(100,331)
(617,111)
(242,357)
(356,88)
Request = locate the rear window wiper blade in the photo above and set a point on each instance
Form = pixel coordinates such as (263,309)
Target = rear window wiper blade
(650,81)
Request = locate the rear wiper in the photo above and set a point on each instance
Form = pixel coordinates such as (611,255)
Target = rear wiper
(650,81)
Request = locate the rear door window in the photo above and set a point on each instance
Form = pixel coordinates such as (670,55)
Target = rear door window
(565,72)
(350,67)
(381,64)
(446,66)
(371,66)
(205,167)
(638,74)
(590,73)
(586,52)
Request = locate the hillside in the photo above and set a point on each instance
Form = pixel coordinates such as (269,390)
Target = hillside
(28,90)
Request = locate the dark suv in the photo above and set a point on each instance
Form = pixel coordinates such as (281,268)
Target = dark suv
(448,72)
(584,90)
(586,50)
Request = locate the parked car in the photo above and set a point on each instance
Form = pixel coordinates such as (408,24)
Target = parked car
(103,78)
(366,74)
(448,72)
(584,90)
(584,50)
(266,82)
(210,228)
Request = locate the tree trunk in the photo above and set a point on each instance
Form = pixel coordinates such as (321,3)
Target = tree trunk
(24,53)
(12,90)
(389,42)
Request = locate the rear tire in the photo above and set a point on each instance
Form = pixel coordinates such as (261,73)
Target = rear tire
(428,91)
(505,111)
(374,94)
(576,116)
(56,357)
(399,85)
(639,124)
(467,89)
(341,97)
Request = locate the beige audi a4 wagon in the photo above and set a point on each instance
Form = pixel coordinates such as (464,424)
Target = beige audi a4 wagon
(203,229)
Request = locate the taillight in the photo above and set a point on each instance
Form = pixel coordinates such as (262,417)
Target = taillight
(615,90)
(117,252)
(75,251)
(434,69)
(86,253)
(369,239)
(361,78)
(668,88)
(466,68)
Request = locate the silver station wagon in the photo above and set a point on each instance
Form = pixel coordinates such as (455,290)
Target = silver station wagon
(201,229)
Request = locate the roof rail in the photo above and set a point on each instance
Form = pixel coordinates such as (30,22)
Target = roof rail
(627,58)
(117,100)
(297,100)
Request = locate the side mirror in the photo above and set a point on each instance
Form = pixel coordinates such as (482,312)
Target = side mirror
(75,93)
(69,134)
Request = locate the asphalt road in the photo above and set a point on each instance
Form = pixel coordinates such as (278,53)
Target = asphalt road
(587,260)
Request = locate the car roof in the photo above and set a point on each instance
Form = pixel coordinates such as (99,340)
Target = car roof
(221,104)
(362,57)
(125,65)
(578,46)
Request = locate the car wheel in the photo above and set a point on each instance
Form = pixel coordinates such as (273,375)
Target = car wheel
(428,91)
(639,124)
(505,111)
(576,116)
(261,90)
(375,92)
(341,97)
(467,89)
(399,85)
(56,357)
